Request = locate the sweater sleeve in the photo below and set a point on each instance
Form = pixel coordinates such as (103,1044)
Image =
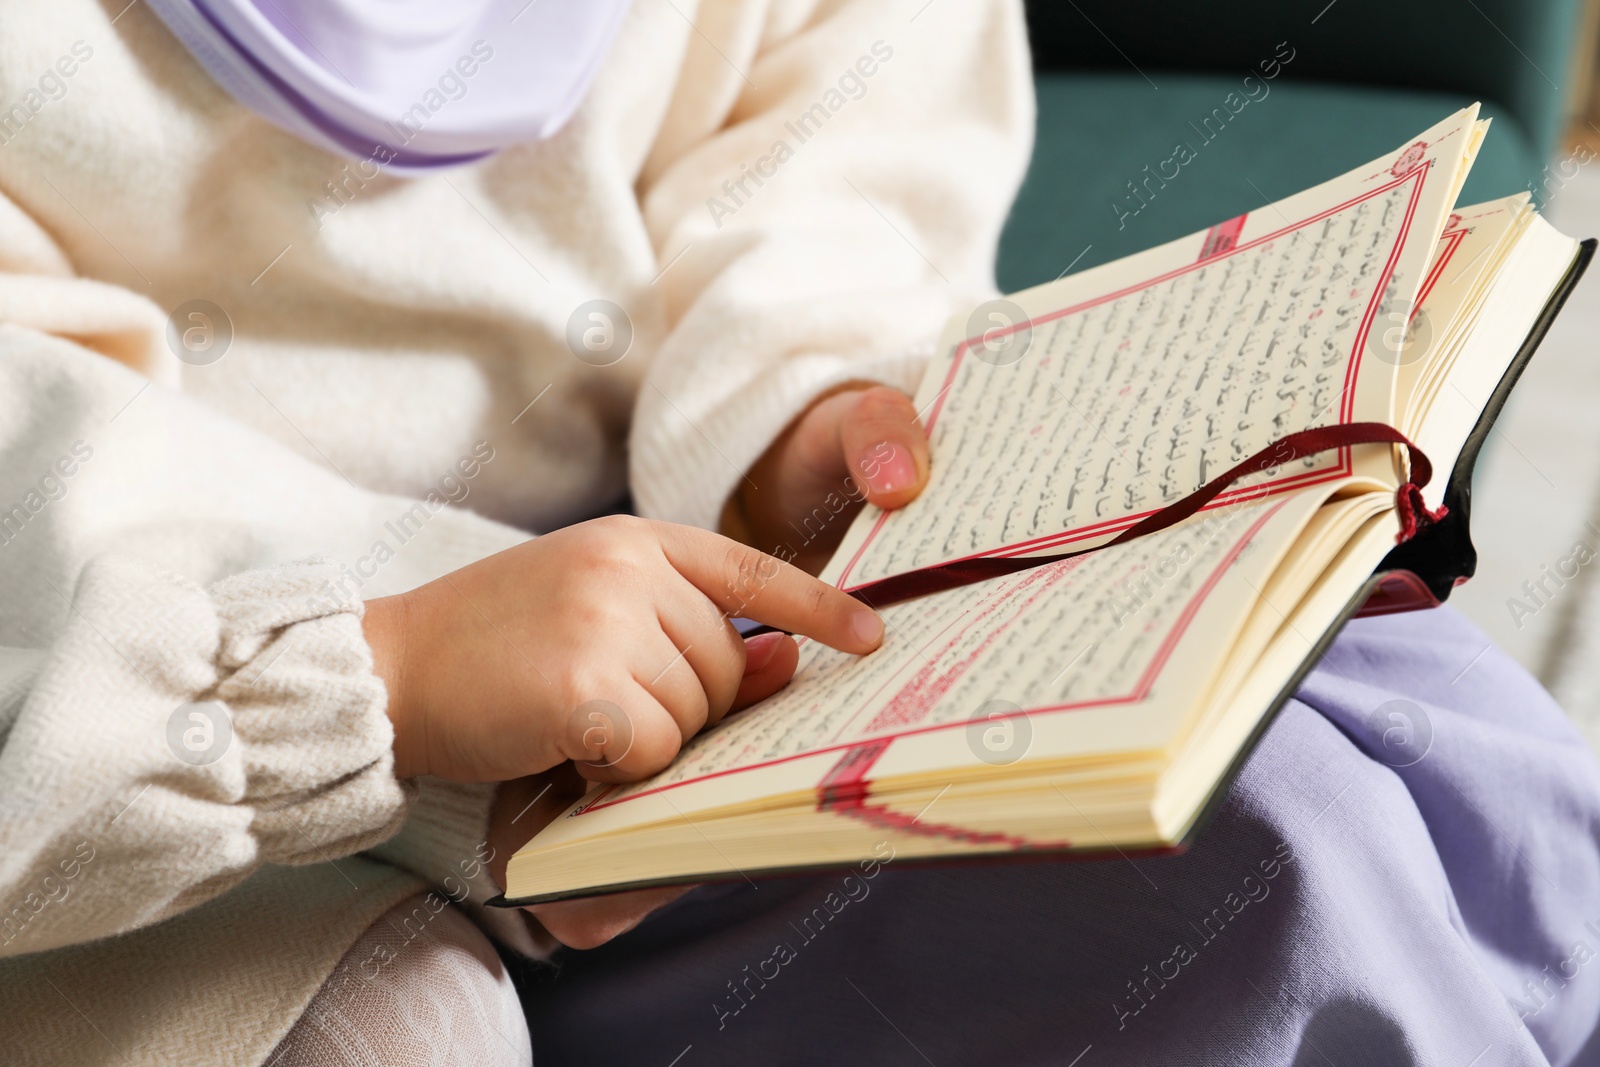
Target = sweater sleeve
(828,188)
(172,738)
(444,842)
(186,693)
(181,700)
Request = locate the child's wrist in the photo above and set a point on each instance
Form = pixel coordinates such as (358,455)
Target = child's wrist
(386,624)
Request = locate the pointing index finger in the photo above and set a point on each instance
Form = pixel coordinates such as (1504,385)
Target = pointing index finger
(743,581)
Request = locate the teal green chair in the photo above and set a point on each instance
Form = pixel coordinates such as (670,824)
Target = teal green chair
(1122,84)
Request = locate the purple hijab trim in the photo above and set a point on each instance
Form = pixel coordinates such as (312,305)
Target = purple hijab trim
(414,85)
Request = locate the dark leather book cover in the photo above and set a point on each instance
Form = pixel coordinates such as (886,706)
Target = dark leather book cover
(1422,572)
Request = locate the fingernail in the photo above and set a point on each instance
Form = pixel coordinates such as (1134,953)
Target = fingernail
(758,652)
(888,468)
(866,626)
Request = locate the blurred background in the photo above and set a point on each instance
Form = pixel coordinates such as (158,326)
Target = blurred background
(1270,97)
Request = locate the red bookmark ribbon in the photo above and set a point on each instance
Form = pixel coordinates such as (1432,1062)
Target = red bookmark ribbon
(1413,512)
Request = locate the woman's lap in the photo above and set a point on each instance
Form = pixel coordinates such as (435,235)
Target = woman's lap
(1412,845)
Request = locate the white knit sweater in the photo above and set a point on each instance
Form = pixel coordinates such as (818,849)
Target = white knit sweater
(198,813)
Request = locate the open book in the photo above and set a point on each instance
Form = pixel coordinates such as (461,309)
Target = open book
(1101,694)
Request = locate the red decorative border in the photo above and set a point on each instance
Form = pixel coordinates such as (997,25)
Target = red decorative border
(861,753)
(1282,485)
(1222,237)
(1454,237)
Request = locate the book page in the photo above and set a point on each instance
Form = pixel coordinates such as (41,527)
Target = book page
(1499,318)
(1104,654)
(1100,398)
(1470,253)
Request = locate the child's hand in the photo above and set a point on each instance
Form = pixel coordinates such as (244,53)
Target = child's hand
(605,643)
(524,807)
(859,443)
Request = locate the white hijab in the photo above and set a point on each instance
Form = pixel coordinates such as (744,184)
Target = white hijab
(415,85)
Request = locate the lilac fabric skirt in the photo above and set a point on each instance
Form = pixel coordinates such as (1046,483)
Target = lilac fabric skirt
(1406,872)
